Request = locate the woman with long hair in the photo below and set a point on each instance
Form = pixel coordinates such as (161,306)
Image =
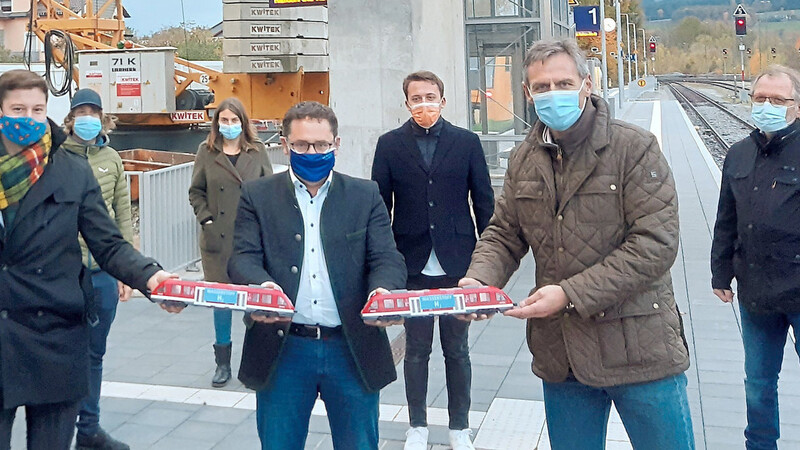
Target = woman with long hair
(231,155)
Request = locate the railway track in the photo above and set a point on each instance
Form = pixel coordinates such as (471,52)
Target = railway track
(716,120)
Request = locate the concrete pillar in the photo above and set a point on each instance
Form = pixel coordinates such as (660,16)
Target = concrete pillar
(373,46)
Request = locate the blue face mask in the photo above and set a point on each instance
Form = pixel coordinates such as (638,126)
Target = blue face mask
(559,110)
(87,127)
(769,118)
(312,167)
(22,131)
(230,132)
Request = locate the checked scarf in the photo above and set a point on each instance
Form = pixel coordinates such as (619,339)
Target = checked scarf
(19,172)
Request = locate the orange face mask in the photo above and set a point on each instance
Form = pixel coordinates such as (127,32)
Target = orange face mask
(426,114)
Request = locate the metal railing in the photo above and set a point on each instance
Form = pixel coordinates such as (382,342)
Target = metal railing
(168,230)
(497,148)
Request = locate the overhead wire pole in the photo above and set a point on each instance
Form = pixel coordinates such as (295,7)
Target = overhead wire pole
(620,76)
(603,48)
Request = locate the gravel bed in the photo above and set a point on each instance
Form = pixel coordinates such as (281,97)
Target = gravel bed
(729,129)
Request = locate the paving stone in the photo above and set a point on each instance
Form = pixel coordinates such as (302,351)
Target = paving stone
(123,405)
(182,443)
(139,435)
(228,416)
(206,431)
(162,416)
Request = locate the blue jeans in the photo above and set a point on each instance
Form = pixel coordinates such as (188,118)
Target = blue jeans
(106,297)
(307,367)
(453,334)
(655,414)
(764,337)
(222,326)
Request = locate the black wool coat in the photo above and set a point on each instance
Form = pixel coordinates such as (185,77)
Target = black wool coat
(430,206)
(44,336)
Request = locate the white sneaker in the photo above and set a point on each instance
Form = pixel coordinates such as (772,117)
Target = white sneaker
(417,439)
(460,439)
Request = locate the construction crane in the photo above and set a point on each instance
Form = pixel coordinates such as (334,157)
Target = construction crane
(196,90)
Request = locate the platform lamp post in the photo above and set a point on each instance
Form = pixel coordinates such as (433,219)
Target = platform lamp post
(628,44)
(604,59)
(644,51)
(620,76)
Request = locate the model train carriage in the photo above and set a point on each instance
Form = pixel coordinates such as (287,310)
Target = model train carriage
(225,296)
(434,302)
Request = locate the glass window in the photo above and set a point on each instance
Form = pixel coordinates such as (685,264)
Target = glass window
(506,8)
(496,54)
(502,8)
(479,8)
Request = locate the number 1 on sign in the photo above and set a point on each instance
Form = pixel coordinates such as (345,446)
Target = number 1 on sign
(593,13)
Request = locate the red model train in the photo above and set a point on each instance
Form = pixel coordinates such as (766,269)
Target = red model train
(228,296)
(435,302)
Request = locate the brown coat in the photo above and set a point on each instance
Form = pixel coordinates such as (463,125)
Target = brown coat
(214,194)
(605,228)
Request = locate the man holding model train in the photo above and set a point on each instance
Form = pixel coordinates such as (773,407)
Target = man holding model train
(325,239)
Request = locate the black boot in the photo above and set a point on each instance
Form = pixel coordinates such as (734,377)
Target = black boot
(99,440)
(222,353)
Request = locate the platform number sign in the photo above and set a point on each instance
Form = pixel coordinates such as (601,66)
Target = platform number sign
(587,20)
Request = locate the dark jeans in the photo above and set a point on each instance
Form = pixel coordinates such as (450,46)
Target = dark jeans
(764,337)
(106,297)
(307,368)
(453,334)
(655,414)
(50,426)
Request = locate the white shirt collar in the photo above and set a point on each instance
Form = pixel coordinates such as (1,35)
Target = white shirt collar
(299,184)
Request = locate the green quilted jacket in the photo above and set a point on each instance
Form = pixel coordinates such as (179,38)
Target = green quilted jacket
(107,168)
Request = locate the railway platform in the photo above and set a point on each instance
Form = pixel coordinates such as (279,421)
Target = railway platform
(158,368)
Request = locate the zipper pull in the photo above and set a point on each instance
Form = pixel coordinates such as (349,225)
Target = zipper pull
(560,158)
(774,183)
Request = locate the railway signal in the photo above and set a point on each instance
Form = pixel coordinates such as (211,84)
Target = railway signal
(749,52)
(724,52)
(741,26)
(774,52)
(652,47)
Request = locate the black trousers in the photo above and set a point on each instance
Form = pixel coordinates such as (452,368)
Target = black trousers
(453,334)
(50,426)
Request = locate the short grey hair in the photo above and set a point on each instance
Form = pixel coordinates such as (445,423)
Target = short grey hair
(546,48)
(776,70)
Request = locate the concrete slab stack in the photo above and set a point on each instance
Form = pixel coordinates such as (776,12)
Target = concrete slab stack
(259,38)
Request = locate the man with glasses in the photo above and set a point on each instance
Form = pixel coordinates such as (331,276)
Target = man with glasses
(325,239)
(594,200)
(757,241)
(428,170)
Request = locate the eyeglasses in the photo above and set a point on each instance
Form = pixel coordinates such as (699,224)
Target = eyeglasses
(302,146)
(775,101)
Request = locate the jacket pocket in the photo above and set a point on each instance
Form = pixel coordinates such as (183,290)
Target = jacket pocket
(210,238)
(357,244)
(464,225)
(634,334)
(598,200)
(531,198)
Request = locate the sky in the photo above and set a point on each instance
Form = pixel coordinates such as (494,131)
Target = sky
(148,16)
